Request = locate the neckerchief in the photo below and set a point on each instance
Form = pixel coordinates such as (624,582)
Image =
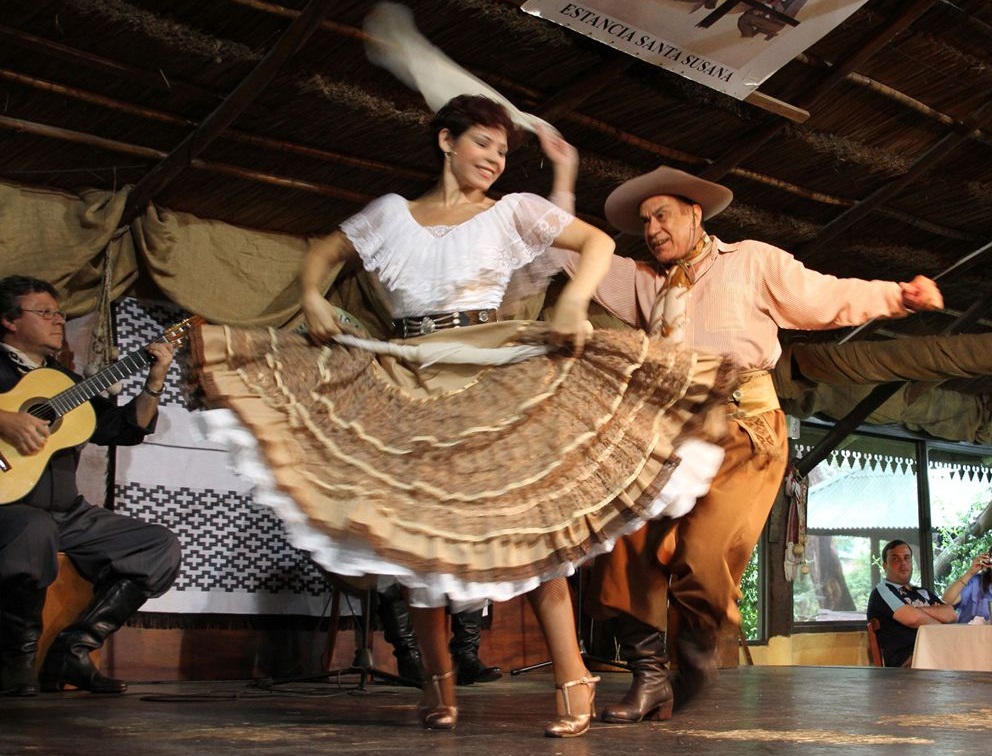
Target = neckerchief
(668,313)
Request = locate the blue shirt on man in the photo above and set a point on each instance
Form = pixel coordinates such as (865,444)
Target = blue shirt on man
(895,639)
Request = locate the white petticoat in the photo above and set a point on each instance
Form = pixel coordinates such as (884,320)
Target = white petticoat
(354,558)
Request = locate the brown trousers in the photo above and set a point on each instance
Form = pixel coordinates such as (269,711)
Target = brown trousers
(697,561)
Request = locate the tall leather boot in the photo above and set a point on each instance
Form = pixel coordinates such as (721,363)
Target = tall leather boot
(466,637)
(650,694)
(68,660)
(394,614)
(20,628)
(696,662)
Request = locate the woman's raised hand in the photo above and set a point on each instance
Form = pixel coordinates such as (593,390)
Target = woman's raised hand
(556,148)
(563,157)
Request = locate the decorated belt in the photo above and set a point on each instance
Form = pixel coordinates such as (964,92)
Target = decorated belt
(755,395)
(406,328)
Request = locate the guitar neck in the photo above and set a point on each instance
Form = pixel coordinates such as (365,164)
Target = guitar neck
(85,390)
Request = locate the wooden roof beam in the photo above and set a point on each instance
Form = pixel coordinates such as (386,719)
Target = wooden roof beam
(241,97)
(943,147)
(747,147)
(584,86)
(566,101)
(234,135)
(154,80)
(125,148)
(280,10)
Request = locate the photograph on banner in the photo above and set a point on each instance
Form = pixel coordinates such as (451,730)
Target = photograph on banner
(729,45)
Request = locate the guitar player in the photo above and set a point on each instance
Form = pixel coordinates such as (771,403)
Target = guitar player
(127,560)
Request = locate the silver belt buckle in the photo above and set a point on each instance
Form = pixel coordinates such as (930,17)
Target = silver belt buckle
(427,326)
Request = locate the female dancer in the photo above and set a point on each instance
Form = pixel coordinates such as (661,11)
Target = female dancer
(527,452)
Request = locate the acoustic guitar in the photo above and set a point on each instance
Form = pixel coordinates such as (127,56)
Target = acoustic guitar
(53,396)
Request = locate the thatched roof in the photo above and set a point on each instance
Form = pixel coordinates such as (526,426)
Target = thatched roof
(890,176)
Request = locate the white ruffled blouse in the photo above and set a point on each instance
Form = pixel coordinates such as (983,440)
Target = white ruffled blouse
(422,270)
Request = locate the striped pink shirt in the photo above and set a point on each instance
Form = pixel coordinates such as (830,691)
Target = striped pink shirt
(752,289)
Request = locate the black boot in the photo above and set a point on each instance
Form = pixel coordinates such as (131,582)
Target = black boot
(466,637)
(394,614)
(68,660)
(696,659)
(20,629)
(650,694)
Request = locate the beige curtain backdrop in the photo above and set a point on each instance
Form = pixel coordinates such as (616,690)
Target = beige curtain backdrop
(835,377)
(65,239)
(225,273)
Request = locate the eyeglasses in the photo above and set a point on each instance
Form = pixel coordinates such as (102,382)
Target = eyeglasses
(47,314)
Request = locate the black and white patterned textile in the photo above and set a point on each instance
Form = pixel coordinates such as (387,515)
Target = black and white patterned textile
(236,559)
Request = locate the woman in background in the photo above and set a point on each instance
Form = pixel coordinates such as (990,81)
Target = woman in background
(971,593)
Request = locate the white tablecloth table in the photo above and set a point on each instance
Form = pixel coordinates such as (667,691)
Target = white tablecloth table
(960,647)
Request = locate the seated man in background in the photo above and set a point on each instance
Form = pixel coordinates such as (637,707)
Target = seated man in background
(901,608)
(127,560)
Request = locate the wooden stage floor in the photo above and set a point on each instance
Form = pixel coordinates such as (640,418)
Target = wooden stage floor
(751,710)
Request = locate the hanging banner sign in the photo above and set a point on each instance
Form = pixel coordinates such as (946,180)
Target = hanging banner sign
(729,45)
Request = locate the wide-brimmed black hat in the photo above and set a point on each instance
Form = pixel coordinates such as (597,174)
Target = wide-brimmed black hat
(623,205)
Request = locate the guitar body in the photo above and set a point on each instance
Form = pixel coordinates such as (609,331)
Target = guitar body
(20,473)
(53,394)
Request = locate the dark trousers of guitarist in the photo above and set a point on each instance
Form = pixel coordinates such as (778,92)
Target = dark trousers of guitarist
(127,560)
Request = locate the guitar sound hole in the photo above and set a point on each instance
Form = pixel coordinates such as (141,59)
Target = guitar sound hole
(42,409)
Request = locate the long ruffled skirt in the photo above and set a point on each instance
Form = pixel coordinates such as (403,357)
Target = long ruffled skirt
(464,482)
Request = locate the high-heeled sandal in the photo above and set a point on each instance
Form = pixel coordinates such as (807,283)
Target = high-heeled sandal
(439,716)
(572,725)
